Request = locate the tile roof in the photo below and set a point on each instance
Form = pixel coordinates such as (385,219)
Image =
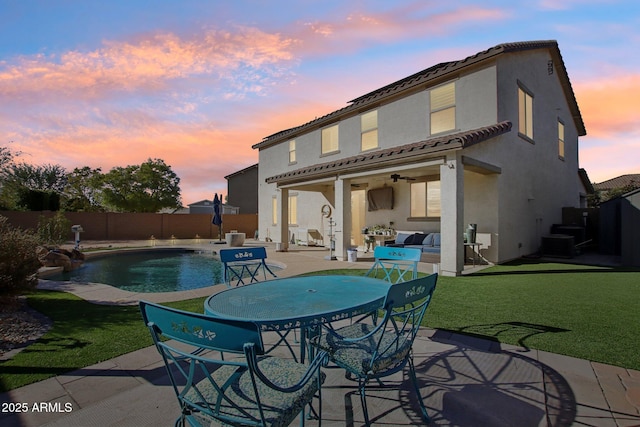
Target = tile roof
(393,155)
(431,75)
(242,171)
(586,182)
(619,182)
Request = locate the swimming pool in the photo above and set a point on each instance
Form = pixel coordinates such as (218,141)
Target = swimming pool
(149,271)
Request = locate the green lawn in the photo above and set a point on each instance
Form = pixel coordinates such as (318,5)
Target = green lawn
(82,334)
(587,312)
(582,311)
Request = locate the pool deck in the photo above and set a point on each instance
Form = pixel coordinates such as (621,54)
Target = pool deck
(465,381)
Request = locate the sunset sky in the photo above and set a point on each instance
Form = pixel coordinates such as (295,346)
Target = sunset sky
(198,82)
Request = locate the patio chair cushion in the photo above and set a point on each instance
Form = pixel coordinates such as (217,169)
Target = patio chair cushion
(382,348)
(416,239)
(356,356)
(426,242)
(401,237)
(280,408)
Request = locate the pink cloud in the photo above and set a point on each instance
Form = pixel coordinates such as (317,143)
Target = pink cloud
(147,64)
(202,154)
(64,108)
(609,104)
(604,160)
(609,110)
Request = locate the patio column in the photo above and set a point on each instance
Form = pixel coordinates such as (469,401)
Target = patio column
(282,242)
(342,217)
(452,216)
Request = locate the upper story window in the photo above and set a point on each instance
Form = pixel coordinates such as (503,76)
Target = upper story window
(560,139)
(443,108)
(330,139)
(292,151)
(525,113)
(425,199)
(369,129)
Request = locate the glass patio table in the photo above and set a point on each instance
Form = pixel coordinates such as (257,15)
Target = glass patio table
(299,302)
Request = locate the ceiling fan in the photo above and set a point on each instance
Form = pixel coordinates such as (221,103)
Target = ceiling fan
(395,177)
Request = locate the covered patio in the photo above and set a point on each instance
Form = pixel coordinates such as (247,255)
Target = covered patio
(468,192)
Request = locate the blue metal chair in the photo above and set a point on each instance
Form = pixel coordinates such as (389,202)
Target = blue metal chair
(373,351)
(244,265)
(243,387)
(390,260)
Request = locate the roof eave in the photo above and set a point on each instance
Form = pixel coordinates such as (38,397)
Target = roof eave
(416,151)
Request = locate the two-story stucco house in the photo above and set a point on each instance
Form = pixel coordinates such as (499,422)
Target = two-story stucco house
(491,139)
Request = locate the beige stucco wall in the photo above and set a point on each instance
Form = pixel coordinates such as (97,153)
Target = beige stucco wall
(400,122)
(535,183)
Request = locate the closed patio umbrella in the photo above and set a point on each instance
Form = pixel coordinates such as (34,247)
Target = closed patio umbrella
(217,217)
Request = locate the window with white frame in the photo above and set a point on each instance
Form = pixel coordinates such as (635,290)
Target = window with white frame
(292,151)
(425,199)
(330,139)
(443,108)
(369,129)
(525,113)
(560,139)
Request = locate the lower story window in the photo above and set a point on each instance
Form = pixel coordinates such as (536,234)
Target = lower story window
(274,210)
(293,210)
(425,199)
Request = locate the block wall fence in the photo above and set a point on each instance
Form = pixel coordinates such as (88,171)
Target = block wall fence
(140,226)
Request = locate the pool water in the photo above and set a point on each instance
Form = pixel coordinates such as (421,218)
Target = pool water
(149,271)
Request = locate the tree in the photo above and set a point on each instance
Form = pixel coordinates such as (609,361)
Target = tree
(32,187)
(38,200)
(7,199)
(83,192)
(40,177)
(148,187)
(6,156)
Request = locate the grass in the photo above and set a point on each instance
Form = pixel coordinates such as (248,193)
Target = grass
(582,311)
(587,312)
(82,334)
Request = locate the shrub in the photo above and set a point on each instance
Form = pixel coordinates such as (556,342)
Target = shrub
(54,230)
(18,261)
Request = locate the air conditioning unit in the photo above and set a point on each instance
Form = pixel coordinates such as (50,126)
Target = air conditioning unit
(558,245)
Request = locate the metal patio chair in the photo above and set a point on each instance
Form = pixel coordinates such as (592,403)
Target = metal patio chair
(390,260)
(373,351)
(244,265)
(220,374)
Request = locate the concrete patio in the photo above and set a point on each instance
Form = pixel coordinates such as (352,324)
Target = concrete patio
(465,381)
